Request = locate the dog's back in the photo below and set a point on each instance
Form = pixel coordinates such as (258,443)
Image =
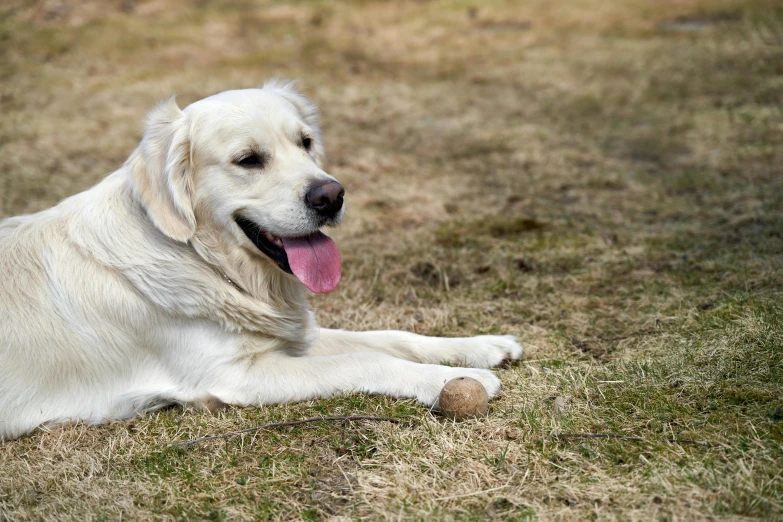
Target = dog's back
(64,336)
(28,316)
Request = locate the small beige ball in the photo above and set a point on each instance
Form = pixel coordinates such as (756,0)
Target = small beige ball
(462,398)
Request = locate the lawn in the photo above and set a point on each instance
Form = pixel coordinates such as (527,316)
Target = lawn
(601,178)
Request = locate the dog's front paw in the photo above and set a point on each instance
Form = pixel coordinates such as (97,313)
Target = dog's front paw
(429,391)
(486,351)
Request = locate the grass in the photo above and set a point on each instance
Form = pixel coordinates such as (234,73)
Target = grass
(600,178)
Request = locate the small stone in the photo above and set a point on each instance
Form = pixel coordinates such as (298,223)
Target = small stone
(482,269)
(560,408)
(524,265)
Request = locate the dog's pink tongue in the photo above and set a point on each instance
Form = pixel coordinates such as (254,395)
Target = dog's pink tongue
(315,261)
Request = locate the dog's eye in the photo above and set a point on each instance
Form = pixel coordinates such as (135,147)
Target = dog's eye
(251,161)
(307,142)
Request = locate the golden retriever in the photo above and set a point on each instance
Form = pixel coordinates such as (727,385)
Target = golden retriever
(182,278)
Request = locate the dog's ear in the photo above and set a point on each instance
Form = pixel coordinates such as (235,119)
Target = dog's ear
(161,171)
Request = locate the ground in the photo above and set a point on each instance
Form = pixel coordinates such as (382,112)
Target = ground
(600,178)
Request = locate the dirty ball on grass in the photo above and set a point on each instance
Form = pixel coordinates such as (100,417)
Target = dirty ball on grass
(463,398)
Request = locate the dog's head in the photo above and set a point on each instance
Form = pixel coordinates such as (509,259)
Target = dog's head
(246,164)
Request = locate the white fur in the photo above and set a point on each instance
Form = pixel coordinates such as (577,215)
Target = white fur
(143,291)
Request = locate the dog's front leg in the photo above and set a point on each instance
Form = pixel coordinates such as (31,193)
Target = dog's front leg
(278,378)
(483,351)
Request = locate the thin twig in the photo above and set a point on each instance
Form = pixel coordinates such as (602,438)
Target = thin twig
(638,333)
(471,494)
(281,425)
(595,436)
(623,437)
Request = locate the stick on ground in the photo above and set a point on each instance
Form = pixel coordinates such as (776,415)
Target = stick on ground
(281,425)
(622,437)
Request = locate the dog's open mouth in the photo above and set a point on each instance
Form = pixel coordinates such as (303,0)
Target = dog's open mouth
(313,259)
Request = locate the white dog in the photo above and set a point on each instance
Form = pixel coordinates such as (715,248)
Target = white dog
(181,278)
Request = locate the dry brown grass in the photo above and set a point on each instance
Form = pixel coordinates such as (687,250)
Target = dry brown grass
(601,178)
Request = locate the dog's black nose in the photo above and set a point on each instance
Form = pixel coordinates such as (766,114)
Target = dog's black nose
(325,197)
